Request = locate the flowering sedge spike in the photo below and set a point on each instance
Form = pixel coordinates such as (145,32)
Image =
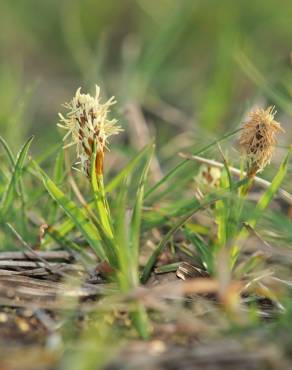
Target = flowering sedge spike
(257,139)
(88,124)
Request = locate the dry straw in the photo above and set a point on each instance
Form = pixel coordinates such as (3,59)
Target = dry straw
(88,124)
(258,138)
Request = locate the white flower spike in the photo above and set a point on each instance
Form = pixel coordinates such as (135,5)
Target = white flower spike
(87,122)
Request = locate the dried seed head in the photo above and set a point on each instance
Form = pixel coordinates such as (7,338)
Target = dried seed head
(87,122)
(257,139)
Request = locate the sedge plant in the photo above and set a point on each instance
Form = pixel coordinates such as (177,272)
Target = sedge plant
(115,240)
(257,140)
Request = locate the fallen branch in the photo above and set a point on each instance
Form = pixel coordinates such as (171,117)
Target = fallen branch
(48,255)
(31,264)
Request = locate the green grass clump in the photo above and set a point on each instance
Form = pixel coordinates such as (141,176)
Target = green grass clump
(114,219)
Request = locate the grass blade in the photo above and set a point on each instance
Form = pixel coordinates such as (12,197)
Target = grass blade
(8,151)
(272,190)
(77,216)
(210,199)
(117,180)
(137,212)
(171,173)
(10,192)
(151,261)
(99,196)
(204,251)
(68,225)
(58,176)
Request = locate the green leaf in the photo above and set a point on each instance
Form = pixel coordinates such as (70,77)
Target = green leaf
(51,151)
(261,205)
(205,252)
(211,198)
(222,210)
(78,216)
(140,320)
(99,196)
(79,253)
(152,259)
(10,192)
(116,181)
(121,240)
(272,190)
(173,172)
(103,221)
(8,151)
(58,176)
(67,225)
(128,274)
(137,212)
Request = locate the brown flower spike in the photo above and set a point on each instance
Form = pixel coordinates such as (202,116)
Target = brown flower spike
(258,139)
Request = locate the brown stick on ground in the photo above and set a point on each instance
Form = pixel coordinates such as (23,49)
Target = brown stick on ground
(48,255)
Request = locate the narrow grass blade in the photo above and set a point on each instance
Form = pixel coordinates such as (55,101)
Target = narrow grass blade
(117,180)
(8,151)
(78,216)
(99,197)
(58,176)
(140,320)
(68,225)
(45,155)
(103,221)
(272,190)
(263,202)
(21,186)
(210,199)
(171,267)
(221,213)
(137,212)
(10,192)
(259,79)
(172,173)
(128,270)
(122,240)
(275,185)
(74,248)
(151,261)
(204,251)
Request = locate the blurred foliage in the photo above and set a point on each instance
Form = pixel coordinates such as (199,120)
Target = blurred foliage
(200,56)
